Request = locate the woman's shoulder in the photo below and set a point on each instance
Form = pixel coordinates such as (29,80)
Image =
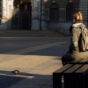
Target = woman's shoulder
(83,25)
(76,26)
(73,28)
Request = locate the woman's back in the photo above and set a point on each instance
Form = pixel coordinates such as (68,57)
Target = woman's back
(75,54)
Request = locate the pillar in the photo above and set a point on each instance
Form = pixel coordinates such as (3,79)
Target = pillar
(38,15)
(43,18)
(35,14)
(7,12)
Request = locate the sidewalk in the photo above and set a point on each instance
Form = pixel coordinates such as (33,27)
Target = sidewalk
(26,33)
(36,65)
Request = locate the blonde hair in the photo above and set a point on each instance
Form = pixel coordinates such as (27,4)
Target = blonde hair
(78,17)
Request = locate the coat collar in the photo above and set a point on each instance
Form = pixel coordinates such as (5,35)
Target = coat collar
(76,24)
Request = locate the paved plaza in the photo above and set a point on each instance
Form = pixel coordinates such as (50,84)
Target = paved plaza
(35,57)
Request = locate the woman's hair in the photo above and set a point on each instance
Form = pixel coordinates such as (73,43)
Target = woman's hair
(78,17)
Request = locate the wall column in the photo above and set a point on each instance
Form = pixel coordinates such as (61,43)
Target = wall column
(43,18)
(7,12)
(35,14)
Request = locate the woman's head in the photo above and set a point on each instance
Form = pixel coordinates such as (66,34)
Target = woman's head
(77,17)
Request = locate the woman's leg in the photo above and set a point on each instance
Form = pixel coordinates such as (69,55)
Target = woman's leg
(66,59)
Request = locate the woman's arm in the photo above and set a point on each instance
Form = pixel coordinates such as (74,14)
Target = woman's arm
(75,38)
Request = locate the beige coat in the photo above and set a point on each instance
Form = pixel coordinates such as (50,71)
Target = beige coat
(74,54)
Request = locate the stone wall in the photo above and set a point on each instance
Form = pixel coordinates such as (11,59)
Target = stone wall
(38,15)
(35,14)
(84,9)
(7,11)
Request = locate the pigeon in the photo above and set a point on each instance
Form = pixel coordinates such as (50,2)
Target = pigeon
(16,72)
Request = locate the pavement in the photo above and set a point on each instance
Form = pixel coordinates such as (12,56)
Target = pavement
(35,57)
(27,33)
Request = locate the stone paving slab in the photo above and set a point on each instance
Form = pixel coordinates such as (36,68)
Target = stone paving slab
(36,66)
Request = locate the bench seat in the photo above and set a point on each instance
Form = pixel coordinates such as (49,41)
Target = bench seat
(71,76)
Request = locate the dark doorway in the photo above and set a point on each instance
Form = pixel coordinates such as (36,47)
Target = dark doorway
(22,16)
(69,12)
(54,12)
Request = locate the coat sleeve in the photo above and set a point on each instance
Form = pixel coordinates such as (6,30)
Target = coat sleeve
(75,38)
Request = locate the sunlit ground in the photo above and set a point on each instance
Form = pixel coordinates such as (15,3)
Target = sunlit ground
(35,70)
(36,63)
(30,63)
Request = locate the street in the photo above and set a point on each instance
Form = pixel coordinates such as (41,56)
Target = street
(35,57)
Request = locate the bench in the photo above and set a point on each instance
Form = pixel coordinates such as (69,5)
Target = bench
(71,76)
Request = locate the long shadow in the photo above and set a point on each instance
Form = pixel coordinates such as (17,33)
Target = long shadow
(51,51)
(8,79)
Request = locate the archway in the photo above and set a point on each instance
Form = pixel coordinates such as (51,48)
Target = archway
(22,15)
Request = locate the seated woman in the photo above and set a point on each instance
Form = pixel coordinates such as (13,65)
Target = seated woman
(75,55)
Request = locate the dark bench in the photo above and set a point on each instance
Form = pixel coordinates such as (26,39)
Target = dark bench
(71,76)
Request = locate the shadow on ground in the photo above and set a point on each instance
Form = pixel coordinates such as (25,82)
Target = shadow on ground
(51,51)
(8,79)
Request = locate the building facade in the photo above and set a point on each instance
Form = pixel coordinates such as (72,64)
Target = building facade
(40,14)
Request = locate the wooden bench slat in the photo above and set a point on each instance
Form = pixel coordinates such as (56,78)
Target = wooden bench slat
(73,68)
(66,67)
(83,69)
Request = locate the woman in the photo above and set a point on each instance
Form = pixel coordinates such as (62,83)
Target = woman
(75,55)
